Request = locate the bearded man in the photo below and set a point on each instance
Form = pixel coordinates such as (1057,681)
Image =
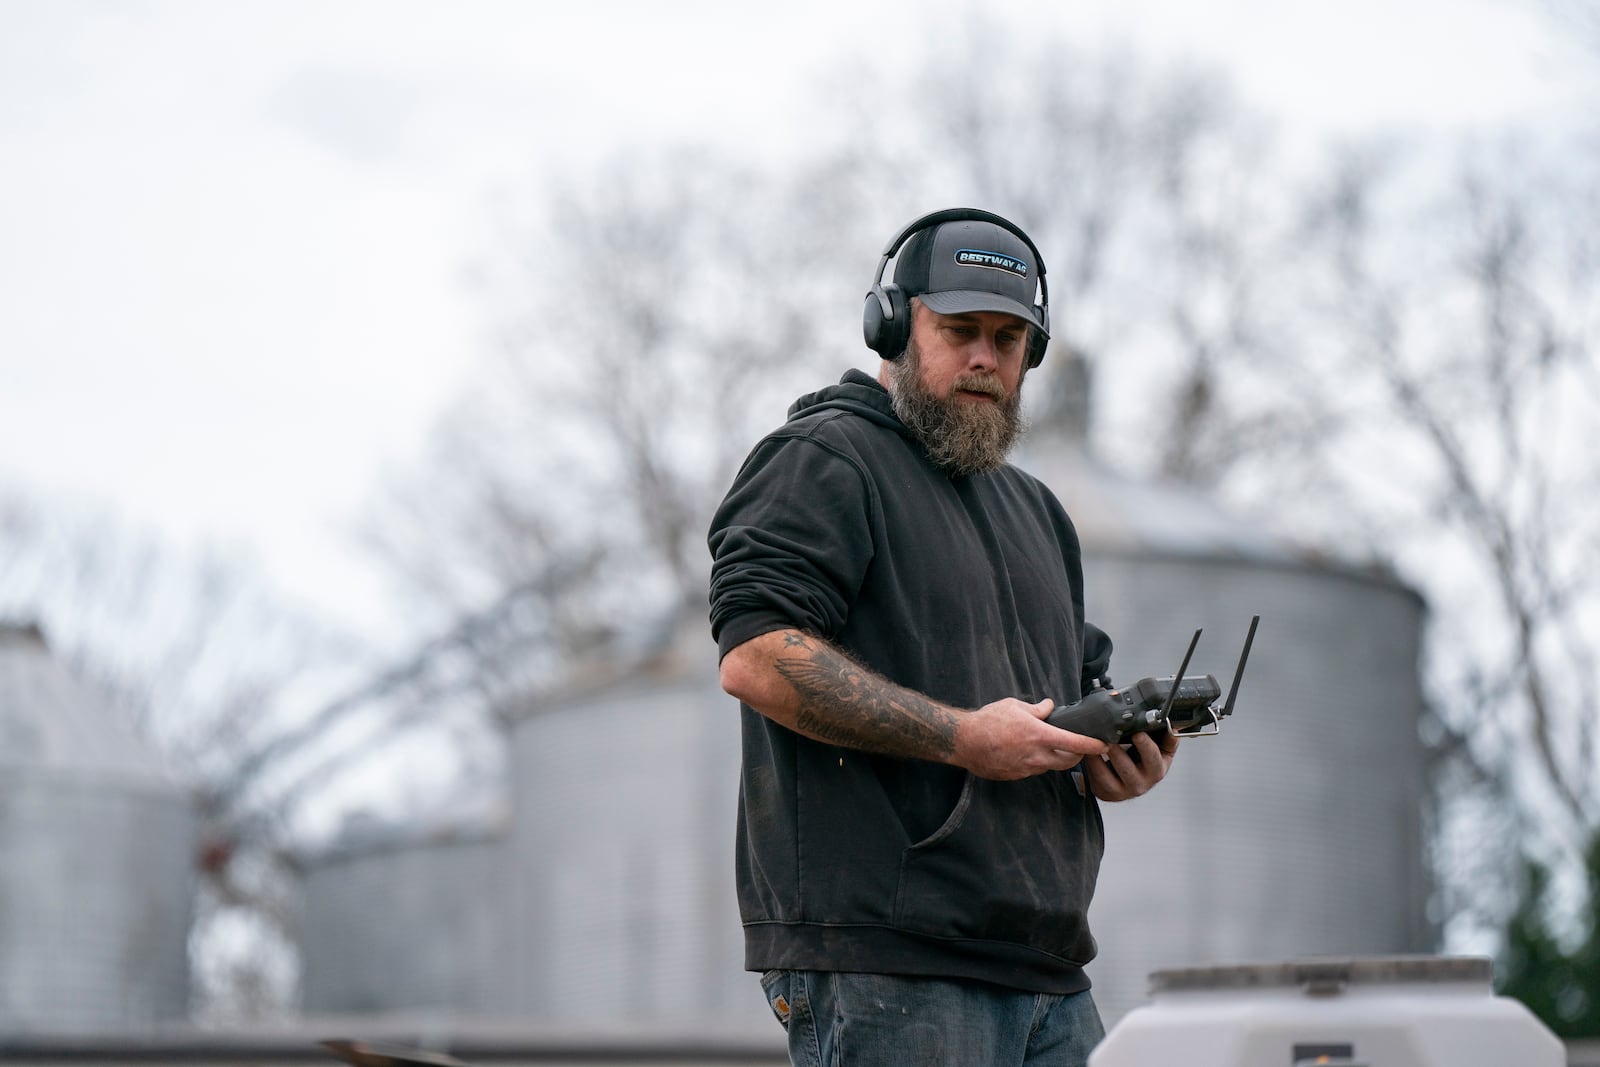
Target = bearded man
(897,610)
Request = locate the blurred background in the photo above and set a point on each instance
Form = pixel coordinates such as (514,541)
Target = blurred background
(368,373)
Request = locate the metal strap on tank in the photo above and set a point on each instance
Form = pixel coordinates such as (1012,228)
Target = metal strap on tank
(1326,977)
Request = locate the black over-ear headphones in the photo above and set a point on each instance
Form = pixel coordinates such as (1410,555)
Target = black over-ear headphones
(886,318)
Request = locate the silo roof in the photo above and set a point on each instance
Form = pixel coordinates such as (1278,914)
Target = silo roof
(54,725)
(1116,513)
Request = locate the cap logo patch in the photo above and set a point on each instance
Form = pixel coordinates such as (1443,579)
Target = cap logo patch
(972,257)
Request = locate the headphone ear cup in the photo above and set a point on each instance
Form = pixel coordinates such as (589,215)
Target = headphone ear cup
(874,319)
(1038,340)
(886,321)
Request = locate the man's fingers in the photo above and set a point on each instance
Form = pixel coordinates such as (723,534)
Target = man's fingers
(1148,750)
(1077,744)
(1081,744)
(1064,760)
(1067,741)
(1103,781)
(1122,762)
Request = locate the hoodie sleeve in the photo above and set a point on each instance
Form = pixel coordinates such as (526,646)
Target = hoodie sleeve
(790,543)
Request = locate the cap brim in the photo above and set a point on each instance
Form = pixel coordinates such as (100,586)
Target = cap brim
(961,301)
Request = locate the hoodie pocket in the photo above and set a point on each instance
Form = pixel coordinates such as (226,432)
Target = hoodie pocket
(952,822)
(1014,862)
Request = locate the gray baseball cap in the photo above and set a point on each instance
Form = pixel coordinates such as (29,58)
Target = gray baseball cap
(957,267)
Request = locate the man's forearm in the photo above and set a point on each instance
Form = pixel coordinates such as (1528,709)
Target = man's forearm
(811,686)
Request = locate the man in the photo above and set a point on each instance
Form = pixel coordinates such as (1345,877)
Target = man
(897,610)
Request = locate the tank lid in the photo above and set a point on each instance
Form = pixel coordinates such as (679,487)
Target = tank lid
(1329,975)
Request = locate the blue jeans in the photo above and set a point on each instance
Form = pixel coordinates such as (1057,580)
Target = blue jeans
(837,1019)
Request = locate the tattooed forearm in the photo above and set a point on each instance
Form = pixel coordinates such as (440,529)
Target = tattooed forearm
(843,703)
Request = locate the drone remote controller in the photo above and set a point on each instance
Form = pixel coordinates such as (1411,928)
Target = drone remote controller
(1184,704)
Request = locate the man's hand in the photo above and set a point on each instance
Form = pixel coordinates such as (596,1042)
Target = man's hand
(1009,739)
(1122,775)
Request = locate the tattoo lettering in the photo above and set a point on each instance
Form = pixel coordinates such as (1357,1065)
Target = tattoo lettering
(845,704)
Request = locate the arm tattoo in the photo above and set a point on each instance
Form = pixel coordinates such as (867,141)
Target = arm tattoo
(844,703)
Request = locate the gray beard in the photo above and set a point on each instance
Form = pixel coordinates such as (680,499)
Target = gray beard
(961,437)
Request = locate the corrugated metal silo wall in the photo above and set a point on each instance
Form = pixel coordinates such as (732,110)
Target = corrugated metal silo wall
(624,909)
(1297,830)
(96,898)
(415,926)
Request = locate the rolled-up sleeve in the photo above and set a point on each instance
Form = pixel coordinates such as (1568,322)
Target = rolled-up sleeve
(790,543)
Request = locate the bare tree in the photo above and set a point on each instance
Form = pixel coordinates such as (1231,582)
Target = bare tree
(1455,386)
(652,319)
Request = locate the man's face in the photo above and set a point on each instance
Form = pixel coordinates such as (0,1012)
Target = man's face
(959,386)
(984,350)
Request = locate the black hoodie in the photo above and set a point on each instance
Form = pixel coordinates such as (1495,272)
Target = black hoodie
(967,589)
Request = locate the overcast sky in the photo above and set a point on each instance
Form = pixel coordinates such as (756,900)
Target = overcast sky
(233,232)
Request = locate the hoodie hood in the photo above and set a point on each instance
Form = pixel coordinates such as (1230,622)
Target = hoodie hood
(857,393)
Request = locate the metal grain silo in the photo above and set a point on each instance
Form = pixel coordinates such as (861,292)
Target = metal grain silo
(623,904)
(96,858)
(406,918)
(1297,831)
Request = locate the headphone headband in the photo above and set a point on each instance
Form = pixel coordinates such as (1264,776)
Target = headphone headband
(959,214)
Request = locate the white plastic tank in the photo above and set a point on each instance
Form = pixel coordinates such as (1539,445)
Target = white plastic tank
(1388,1011)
